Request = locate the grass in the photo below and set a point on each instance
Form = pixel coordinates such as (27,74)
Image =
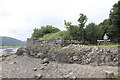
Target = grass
(105,46)
(117,76)
(11,47)
(59,34)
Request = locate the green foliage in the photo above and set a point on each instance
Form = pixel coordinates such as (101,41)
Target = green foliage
(44,30)
(105,25)
(72,30)
(111,26)
(93,32)
(114,17)
(90,32)
(60,34)
(82,20)
(76,32)
(36,33)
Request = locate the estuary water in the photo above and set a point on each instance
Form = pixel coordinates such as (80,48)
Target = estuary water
(8,51)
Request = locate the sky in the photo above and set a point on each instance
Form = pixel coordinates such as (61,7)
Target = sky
(18,18)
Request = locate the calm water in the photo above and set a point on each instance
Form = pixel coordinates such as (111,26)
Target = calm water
(8,51)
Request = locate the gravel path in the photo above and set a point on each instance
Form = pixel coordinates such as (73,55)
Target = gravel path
(15,66)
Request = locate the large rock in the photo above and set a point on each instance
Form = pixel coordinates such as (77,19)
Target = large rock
(20,51)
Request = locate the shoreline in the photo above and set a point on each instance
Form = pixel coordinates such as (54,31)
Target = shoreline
(14,66)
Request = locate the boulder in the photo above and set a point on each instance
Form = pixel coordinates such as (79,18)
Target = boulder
(20,51)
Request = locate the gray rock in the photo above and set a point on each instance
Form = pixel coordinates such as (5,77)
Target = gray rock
(13,62)
(109,74)
(42,68)
(8,59)
(40,55)
(95,48)
(3,58)
(66,76)
(45,64)
(75,58)
(35,69)
(38,76)
(20,51)
(45,60)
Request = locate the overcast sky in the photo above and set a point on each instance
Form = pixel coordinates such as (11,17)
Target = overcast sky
(18,18)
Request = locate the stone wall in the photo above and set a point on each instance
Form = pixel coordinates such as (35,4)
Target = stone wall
(34,42)
(61,50)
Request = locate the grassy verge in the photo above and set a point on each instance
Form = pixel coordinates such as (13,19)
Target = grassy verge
(105,46)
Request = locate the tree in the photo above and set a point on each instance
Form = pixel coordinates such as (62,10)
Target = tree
(76,32)
(72,31)
(105,28)
(82,20)
(114,18)
(36,33)
(93,33)
(44,30)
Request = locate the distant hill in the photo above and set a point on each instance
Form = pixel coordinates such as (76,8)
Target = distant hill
(8,41)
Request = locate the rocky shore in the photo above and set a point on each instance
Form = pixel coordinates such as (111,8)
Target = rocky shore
(14,66)
(59,58)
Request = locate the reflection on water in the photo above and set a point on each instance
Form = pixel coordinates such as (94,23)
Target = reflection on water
(8,51)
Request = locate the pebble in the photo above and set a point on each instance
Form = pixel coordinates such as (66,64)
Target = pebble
(8,59)
(45,60)
(3,58)
(13,62)
(45,64)
(35,69)
(66,76)
(38,76)
(41,68)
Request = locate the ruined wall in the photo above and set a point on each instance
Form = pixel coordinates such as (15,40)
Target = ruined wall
(58,42)
(61,50)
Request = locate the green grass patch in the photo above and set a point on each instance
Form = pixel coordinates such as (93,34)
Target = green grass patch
(59,34)
(105,46)
(117,76)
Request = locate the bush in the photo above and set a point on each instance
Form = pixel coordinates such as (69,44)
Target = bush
(44,30)
(60,34)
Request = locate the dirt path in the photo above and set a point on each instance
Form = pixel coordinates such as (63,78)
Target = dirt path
(15,66)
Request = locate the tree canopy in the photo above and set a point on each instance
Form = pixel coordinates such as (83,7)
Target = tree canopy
(44,30)
(90,32)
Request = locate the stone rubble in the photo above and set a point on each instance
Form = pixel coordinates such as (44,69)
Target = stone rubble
(71,52)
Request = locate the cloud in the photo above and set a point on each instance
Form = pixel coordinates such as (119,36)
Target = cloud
(18,18)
